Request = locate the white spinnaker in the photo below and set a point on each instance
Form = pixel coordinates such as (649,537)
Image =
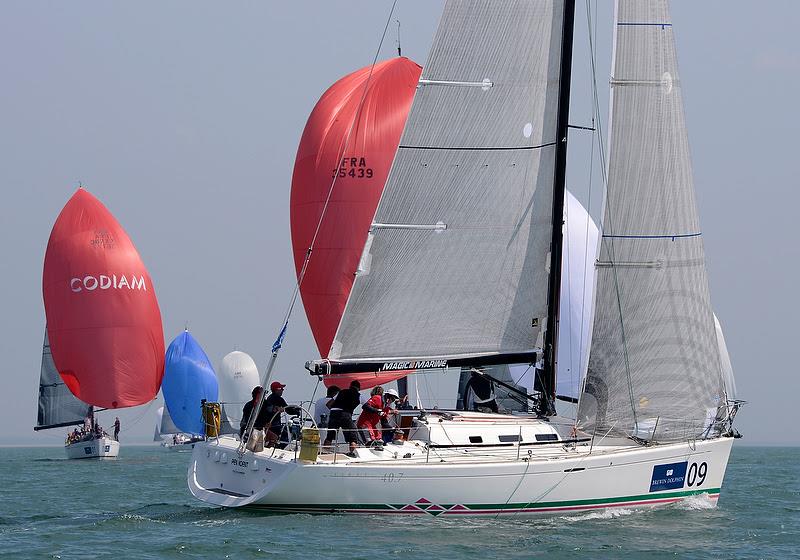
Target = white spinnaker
(580,242)
(577,294)
(237,375)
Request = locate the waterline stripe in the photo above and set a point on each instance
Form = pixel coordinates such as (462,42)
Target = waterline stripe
(482,509)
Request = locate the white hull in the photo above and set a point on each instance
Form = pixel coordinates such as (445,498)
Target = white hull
(410,479)
(100,448)
(183,447)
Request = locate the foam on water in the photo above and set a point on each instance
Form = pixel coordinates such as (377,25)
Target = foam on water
(607,513)
(697,502)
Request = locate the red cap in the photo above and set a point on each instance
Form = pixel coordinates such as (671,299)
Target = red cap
(276,385)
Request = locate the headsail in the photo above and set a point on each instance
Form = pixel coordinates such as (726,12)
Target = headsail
(654,364)
(456,263)
(57,405)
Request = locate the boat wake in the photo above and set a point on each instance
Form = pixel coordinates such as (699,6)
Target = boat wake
(603,514)
(698,502)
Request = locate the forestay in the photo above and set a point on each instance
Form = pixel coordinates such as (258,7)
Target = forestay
(57,405)
(654,362)
(456,263)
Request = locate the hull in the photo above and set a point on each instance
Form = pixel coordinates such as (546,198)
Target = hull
(460,482)
(100,448)
(184,447)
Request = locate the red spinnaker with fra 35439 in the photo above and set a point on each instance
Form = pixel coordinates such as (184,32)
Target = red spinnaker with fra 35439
(103,319)
(356,148)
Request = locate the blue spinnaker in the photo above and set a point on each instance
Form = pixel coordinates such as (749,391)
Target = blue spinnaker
(188,378)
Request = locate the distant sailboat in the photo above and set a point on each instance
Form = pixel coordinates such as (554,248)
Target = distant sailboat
(104,345)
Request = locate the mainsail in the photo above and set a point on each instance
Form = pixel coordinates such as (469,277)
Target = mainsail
(457,259)
(57,405)
(164,424)
(654,367)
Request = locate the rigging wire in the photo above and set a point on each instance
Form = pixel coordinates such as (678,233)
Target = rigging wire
(276,346)
(607,222)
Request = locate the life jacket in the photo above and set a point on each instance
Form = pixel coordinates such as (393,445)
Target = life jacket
(367,418)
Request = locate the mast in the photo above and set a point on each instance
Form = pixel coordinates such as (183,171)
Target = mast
(548,377)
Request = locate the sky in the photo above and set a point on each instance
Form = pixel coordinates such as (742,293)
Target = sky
(184,119)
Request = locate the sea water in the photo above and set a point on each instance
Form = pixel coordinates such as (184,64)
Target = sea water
(138,506)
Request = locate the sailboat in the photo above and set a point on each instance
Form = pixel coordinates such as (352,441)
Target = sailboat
(457,272)
(166,430)
(59,408)
(104,345)
(189,379)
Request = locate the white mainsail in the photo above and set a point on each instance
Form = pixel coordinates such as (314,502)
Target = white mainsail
(457,261)
(654,363)
(164,424)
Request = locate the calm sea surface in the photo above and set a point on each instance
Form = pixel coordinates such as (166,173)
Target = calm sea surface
(139,507)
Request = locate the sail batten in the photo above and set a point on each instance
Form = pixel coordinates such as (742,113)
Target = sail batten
(654,367)
(482,161)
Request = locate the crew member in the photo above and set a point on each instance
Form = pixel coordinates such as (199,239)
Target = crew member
(275,405)
(342,407)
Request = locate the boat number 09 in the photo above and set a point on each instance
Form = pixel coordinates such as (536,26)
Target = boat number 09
(697,474)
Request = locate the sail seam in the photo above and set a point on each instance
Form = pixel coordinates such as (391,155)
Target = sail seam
(476,148)
(644,24)
(667,236)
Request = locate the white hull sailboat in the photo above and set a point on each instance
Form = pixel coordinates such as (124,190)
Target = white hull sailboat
(436,478)
(59,408)
(456,276)
(102,447)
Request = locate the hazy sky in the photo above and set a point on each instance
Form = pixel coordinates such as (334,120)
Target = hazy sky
(184,119)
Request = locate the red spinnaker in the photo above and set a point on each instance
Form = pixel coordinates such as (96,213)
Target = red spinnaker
(103,319)
(361,171)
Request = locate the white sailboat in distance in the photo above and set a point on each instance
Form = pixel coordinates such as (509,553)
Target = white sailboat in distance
(456,274)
